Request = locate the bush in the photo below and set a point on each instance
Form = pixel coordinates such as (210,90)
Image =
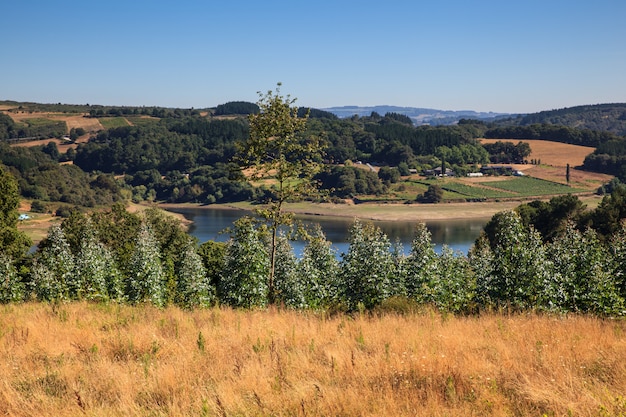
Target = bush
(38,207)
(434,194)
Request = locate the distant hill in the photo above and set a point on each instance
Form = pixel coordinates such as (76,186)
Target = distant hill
(598,117)
(420,116)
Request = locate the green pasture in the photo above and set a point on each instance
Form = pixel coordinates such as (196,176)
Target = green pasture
(113,122)
(512,187)
(529,187)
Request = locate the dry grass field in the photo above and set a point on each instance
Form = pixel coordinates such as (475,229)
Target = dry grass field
(552,153)
(109,360)
(72,120)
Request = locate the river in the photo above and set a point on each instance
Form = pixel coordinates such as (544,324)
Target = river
(208,223)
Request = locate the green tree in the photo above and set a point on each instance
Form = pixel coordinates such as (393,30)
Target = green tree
(289,286)
(277,149)
(420,267)
(434,194)
(319,271)
(98,277)
(582,274)
(146,278)
(519,268)
(194,288)
(243,281)
(54,275)
(368,269)
(13,243)
(11,288)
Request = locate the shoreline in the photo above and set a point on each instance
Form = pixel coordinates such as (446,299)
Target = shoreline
(374,211)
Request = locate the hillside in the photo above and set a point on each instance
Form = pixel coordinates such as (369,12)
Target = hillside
(599,117)
(418,115)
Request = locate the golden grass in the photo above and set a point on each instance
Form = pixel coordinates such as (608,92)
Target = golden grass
(552,153)
(109,360)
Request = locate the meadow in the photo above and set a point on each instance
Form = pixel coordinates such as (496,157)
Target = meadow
(111,360)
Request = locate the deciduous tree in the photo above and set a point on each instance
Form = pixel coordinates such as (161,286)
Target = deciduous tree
(277,151)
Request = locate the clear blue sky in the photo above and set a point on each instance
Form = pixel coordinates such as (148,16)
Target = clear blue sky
(502,56)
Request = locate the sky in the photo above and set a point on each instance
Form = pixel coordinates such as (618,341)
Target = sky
(506,56)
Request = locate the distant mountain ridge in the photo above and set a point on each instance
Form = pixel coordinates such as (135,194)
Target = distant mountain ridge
(419,115)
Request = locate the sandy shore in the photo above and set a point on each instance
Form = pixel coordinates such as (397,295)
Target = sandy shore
(382,212)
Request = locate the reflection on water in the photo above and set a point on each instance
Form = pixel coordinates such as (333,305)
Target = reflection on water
(209,224)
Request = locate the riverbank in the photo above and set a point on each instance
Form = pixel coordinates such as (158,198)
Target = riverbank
(380,212)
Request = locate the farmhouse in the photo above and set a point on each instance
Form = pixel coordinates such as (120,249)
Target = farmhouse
(437,172)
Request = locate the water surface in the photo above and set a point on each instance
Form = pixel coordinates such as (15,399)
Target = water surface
(209,223)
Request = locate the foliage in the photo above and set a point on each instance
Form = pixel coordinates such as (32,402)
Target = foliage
(11,287)
(599,117)
(98,277)
(508,153)
(244,278)
(348,181)
(193,285)
(146,278)
(549,218)
(290,286)
(318,270)
(277,150)
(518,268)
(583,281)
(434,194)
(368,269)
(236,107)
(552,132)
(54,276)
(13,243)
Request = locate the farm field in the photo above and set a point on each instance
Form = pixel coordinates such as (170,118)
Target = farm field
(552,153)
(106,359)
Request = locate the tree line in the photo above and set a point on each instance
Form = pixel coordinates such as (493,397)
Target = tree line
(116,256)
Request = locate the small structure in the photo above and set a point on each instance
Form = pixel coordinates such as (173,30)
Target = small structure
(436,172)
(23,217)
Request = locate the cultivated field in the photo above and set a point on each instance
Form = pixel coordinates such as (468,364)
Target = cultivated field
(552,153)
(72,120)
(109,360)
